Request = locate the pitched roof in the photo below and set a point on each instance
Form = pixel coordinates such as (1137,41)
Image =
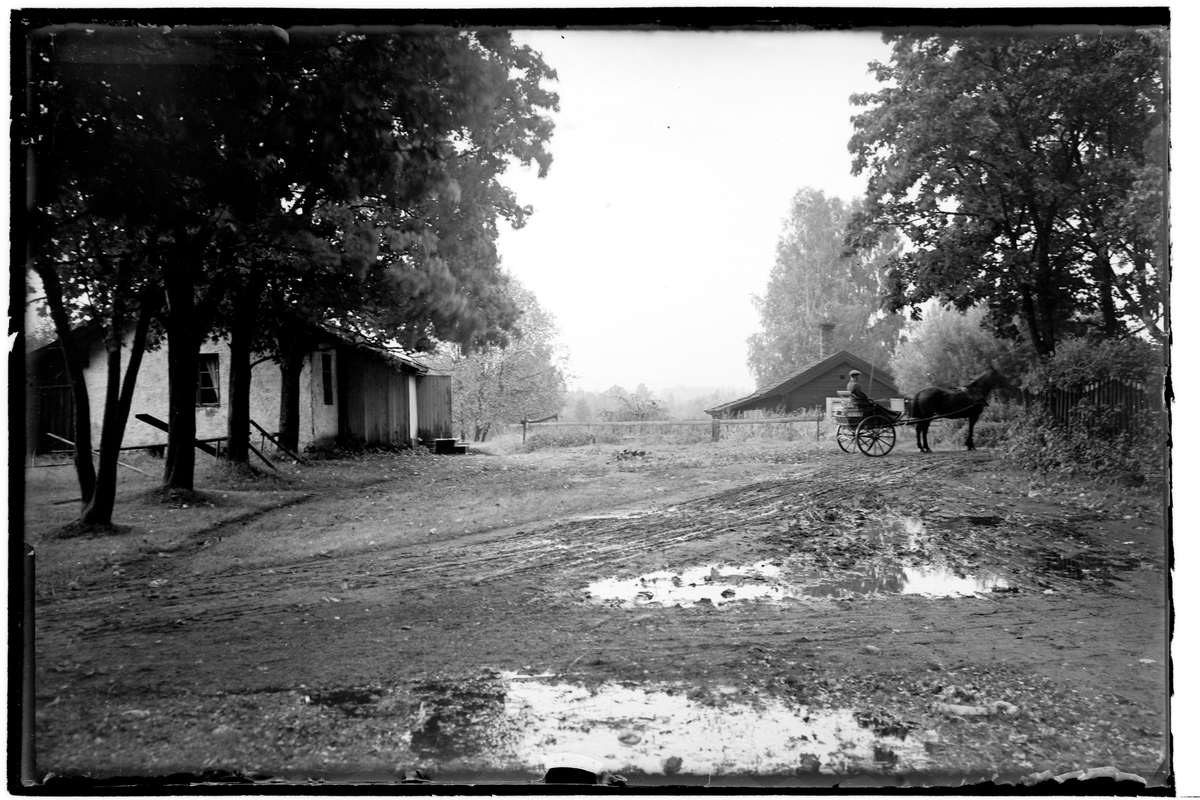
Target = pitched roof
(802,376)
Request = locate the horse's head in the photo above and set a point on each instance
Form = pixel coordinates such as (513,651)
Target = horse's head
(980,387)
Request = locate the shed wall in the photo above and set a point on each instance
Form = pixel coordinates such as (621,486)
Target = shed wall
(434,419)
(376,400)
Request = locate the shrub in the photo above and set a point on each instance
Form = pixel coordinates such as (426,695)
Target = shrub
(1094,440)
(1091,447)
(1079,362)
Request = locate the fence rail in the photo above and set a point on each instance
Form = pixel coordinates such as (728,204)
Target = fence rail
(651,427)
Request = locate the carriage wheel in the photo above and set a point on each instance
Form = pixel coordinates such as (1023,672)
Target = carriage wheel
(876,436)
(845,438)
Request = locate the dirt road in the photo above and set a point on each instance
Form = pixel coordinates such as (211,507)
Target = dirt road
(802,619)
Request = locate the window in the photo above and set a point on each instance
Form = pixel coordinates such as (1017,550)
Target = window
(208,385)
(327,377)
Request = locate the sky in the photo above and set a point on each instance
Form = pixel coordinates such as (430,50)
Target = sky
(676,155)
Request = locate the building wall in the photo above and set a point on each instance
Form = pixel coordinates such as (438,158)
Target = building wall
(322,419)
(434,407)
(376,398)
(151,397)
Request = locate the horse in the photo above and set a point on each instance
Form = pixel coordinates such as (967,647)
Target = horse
(938,403)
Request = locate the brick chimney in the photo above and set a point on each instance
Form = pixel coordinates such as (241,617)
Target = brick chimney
(826,338)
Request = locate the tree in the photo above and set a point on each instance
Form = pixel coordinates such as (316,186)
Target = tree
(1008,162)
(582,410)
(640,406)
(415,261)
(498,384)
(813,281)
(230,147)
(947,348)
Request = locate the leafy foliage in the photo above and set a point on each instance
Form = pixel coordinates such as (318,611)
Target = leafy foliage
(1131,456)
(1079,362)
(813,281)
(948,347)
(640,406)
(523,379)
(1025,170)
(581,410)
(1099,441)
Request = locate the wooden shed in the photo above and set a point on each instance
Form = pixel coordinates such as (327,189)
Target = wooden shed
(809,388)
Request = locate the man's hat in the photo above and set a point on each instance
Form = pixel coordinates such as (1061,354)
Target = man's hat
(855,372)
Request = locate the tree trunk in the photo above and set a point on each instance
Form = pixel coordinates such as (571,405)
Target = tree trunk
(187,325)
(241,338)
(291,365)
(1102,274)
(85,470)
(183,357)
(99,510)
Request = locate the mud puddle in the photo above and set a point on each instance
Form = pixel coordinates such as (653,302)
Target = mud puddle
(720,584)
(523,722)
(716,584)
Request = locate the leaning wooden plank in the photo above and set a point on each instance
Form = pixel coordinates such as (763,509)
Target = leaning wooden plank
(275,442)
(154,422)
(122,463)
(266,460)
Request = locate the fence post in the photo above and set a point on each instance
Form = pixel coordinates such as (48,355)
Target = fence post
(716,429)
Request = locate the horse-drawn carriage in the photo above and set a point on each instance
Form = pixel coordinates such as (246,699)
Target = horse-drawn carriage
(871,429)
(865,425)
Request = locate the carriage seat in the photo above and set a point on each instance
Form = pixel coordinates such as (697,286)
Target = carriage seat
(854,406)
(857,407)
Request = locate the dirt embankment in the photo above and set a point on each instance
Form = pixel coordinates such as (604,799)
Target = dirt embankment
(784,615)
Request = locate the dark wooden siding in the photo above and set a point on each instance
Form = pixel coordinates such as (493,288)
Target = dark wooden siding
(433,407)
(374,398)
(51,404)
(812,393)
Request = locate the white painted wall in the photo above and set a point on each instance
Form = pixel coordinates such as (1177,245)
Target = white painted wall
(150,397)
(412,408)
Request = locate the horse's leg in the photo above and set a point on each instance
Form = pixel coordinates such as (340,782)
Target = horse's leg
(971,431)
(923,436)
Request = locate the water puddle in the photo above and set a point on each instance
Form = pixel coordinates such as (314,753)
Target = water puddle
(524,722)
(720,584)
(715,584)
(926,580)
(664,730)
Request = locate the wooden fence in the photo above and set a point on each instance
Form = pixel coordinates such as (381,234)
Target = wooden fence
(774,427)
(1115,405)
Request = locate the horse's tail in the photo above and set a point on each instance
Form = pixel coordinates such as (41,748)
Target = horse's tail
(909,401)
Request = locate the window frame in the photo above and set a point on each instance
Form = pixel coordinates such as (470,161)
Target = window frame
(327,394)
(208,364)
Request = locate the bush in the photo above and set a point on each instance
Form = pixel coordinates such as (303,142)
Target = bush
(1079,362)
(993,428)
(1091,447)
(1094,441)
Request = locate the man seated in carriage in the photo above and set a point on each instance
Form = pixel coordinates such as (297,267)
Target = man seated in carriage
(868,406)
